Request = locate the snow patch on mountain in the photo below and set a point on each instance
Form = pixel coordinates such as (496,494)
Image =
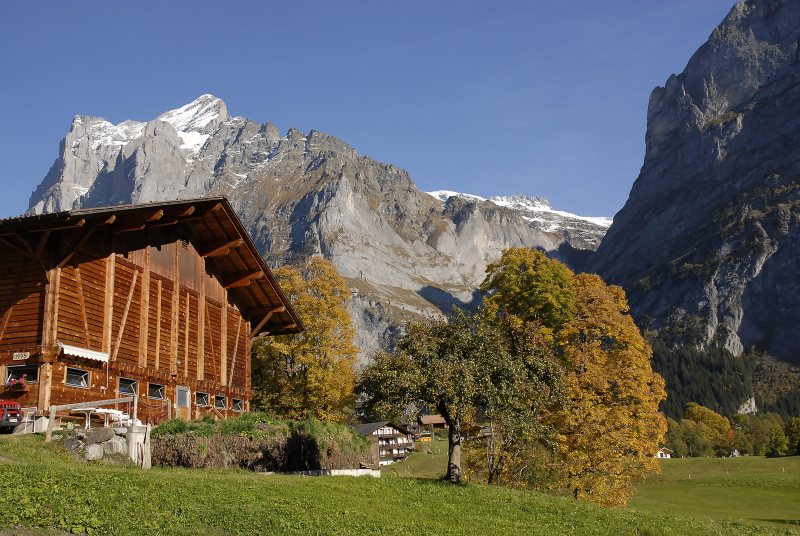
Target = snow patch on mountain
(197,115)
(536,210)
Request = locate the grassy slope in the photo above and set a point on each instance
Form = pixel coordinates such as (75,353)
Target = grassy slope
(753,488)
(52,491)
(431,464)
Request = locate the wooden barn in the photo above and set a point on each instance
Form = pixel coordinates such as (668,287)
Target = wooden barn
(161,301)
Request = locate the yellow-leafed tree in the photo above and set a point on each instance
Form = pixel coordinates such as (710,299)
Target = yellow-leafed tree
(610,426)
(310,374)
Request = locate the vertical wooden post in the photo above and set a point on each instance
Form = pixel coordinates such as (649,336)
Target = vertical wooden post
(176,294)
(108,317)
(144,313)
(201,321)
(45,386)
(223,343)
(158,323)
(49,333)
(187,317)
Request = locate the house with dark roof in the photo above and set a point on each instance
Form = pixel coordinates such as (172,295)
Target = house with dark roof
(160,302)
(395,442)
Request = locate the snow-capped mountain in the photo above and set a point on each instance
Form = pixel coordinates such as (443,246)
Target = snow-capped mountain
(585,232)
(405,253)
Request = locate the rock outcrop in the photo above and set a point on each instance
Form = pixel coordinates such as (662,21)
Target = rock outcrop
(405,253)
(707,243)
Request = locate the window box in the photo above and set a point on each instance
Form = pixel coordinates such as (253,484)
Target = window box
(155,391)
(77,378)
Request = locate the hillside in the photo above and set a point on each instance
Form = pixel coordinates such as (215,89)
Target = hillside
(51,491)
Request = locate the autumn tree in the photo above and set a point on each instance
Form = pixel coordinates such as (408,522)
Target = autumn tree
(610,426)
(309,374)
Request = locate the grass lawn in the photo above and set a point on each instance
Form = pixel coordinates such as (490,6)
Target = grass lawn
(43,488)
(430,461)
(749,488)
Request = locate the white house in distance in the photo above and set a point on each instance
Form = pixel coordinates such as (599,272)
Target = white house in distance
(394,442)
(663,452)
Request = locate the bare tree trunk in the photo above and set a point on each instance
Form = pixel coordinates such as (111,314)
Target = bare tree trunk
(454,453)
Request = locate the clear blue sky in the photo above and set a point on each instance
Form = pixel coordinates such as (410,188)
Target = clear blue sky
(543,98)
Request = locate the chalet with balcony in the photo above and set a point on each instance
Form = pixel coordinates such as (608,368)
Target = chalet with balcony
(395,443)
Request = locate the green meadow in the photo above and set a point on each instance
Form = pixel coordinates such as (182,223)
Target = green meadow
(46,491)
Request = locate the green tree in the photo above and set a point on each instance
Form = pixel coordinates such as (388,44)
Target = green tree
(520,384)
(437,365)
(610,427)
(777,444)
(793,435)
(531,287)
(310,374)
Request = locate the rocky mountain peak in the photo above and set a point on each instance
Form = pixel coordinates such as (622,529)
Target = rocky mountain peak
(404,253)
(203,115)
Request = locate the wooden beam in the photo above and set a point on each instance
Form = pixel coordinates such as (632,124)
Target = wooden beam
(186,317)
(14,247)
(82,303)
(223,342)
(77,247)
(242,280)
(222,249)
(144,311)
(108,317)
(262,323)
(124,319)
(157,215)
(188,212)
(201,321)
(42,243)
(158,323)
(235,350)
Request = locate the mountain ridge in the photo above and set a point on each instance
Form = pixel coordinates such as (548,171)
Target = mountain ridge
(404,253)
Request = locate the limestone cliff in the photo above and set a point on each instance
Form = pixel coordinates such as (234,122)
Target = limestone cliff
(707,243)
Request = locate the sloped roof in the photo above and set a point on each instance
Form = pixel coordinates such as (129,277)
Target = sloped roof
(431,419)
(370,427)
(215,230)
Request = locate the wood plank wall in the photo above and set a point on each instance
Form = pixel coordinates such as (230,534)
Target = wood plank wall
(154,310)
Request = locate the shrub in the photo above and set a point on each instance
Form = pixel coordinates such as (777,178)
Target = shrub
(258,441)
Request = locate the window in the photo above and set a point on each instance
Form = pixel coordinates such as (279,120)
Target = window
(182,397)
(128,386)
(77,377)
(201,399)
(155,390)
(29,372)
(238,405)
(221,402)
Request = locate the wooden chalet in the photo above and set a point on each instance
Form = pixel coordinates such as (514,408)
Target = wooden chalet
(161,301)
